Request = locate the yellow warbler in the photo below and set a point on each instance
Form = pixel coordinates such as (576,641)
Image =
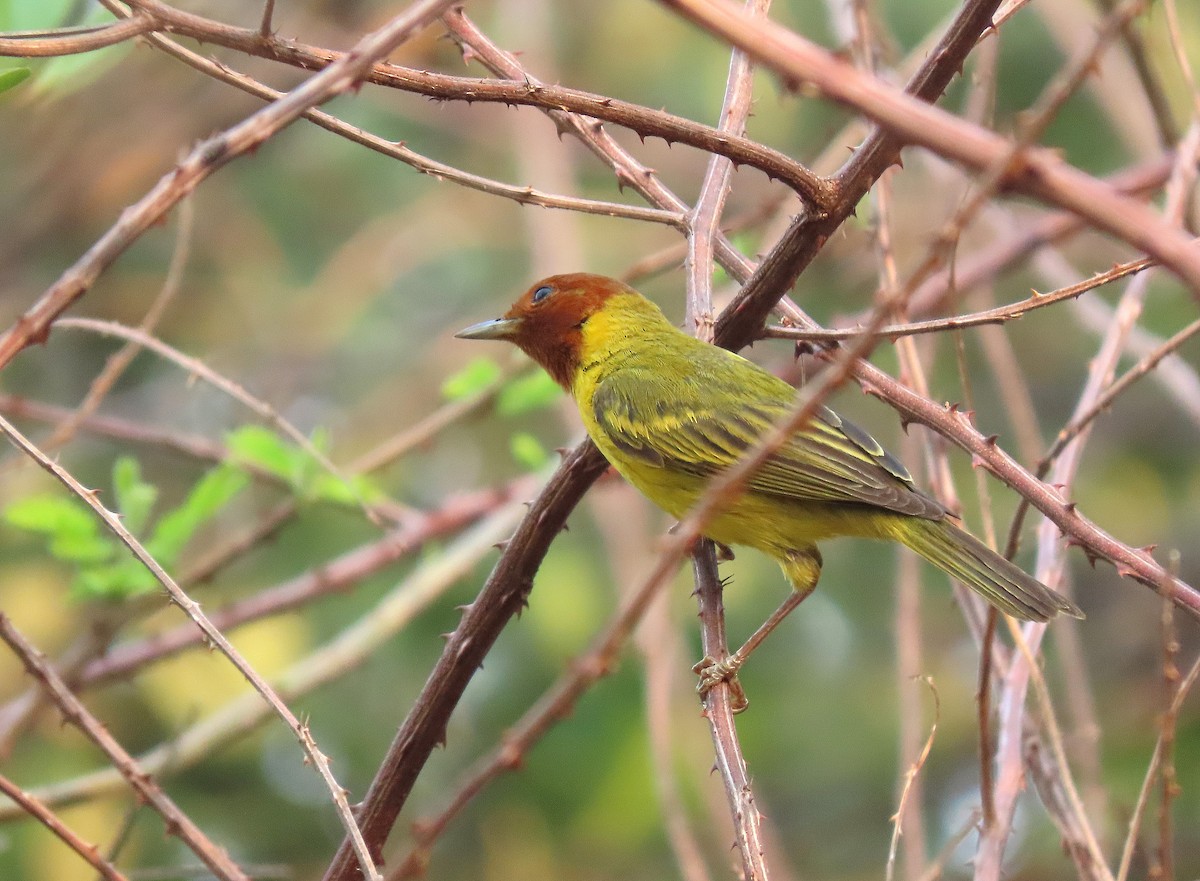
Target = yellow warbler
(670,412)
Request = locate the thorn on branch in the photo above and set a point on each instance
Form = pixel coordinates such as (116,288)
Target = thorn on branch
(510,757)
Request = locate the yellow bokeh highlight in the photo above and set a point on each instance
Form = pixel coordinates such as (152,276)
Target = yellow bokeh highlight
(95,822)
(200,681)
(34,595)
(568,604)
(518,843)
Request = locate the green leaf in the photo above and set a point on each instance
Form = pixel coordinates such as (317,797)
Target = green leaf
(213,491)
(81,548)
(262,448)
(472,379)
(14,77)
(330,488)
(45,513)
(527,393)
(528,450)
(135,497)
(116,581)
(306,470)
(71,529)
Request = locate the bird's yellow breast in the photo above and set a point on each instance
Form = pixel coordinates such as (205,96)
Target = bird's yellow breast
(631,337)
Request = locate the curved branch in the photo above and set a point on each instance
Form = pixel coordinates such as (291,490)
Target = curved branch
(1037,172)
(74,41)
(643,120)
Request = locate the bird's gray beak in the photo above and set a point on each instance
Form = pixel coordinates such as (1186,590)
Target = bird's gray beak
(496,329)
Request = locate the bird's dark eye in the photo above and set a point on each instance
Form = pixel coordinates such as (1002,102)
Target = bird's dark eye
(542,293)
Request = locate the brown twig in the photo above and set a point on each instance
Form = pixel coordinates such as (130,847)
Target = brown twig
(714,189)
(34,808)
(397,149)
(335,576)
(1039,173)
(910,777)
(191,445)
(598,661)
(628,170)
(350,647)
(1064,803)
(719,706)
(1022,240)
(201,162)
(995,316)
(212,634)
(73,41)
(120,360)
(502,596)
(1114,390)
(176,821)
(505,590)
(197,368)
(1050,556)
(266,26)
(545,96)
(723,700)
(1152,771)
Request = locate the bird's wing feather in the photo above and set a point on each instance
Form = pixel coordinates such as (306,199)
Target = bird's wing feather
(672,422)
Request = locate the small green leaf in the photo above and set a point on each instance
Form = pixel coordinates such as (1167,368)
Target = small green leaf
(80,548)
(45,513)
(528,450)
(135,497)
(472,379)
(262,448)
(213,491)
(320,440)
(116,581)
(527,393)
(330,488)
(11,78)
(71,529)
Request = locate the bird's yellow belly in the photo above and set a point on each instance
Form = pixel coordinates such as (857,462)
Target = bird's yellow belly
(768,523)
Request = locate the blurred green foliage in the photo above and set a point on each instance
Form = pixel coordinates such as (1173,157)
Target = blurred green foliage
(104,569)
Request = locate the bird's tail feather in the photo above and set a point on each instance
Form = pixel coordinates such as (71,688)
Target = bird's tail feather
(999,581)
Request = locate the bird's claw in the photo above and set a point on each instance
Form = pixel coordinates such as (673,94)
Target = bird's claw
(713,672)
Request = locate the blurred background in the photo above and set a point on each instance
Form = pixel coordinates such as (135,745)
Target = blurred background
(327,280)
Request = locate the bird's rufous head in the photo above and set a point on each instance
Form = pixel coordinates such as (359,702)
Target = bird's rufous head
(547,321)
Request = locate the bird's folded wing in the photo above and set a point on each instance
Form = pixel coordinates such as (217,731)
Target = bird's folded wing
(672,423)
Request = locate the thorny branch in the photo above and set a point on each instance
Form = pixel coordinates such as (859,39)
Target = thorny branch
(1013,165)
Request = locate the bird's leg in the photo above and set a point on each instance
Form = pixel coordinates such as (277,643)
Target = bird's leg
(803,569)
